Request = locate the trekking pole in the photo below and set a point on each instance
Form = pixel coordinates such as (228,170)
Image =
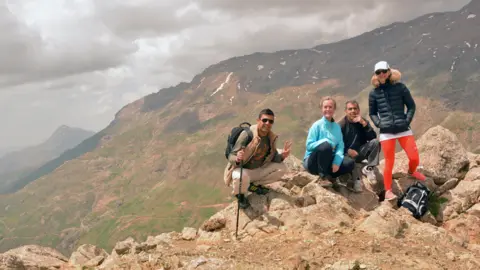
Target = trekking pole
(238,199)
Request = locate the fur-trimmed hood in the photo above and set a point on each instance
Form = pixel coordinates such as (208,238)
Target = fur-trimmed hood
(394,77)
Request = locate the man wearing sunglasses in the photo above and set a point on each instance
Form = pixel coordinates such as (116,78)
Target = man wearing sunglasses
(262,164)
(360,142)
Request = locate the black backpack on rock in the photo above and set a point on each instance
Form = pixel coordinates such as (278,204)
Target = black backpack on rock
(233,136)
(415,199)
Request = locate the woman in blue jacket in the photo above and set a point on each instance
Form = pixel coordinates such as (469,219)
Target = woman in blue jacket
(324,155)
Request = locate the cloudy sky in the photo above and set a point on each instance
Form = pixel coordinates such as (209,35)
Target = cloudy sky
(77,62)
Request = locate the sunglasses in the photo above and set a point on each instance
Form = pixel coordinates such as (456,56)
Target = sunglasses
(265,120)
(381,71)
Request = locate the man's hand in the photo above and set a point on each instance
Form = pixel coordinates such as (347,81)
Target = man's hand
(286,149)
(335,168)
(240,155)
(359,119)
(352,153)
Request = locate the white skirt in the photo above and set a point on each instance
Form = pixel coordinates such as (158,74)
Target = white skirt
(389,136)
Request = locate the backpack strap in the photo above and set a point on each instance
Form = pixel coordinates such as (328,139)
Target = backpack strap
(246,127)
(235,133)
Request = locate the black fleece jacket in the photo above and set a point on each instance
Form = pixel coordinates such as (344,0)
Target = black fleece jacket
(356,135)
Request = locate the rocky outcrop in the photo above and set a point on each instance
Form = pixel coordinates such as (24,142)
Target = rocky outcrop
(442,156)
(464,196)
(32,257)
(474,160)
(88,256)
(461,212)
(303,224)
(473,174)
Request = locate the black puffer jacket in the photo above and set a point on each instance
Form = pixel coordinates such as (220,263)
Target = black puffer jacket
(387,107)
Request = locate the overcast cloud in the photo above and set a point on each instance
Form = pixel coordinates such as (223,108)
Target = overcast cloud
(77,62)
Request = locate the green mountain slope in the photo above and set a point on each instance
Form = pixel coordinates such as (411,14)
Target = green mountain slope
(159,165)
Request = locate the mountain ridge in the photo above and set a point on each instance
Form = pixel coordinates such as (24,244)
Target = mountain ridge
(161,156)
(19,163)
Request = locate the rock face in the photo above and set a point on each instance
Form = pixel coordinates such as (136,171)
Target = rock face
(88,256)
(302,224)
(441,156)
(464,196)
(32,257)
(473,174)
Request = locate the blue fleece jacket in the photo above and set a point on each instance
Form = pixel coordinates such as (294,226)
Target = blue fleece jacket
(325,131)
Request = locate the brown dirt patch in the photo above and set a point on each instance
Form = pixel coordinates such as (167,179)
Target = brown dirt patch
(102,203)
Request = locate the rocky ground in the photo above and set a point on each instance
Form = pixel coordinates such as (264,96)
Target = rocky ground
(302,225)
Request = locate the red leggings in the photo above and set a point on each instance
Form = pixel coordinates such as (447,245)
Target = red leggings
(388,147)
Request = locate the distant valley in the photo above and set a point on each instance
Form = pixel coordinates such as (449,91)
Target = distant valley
(18,164)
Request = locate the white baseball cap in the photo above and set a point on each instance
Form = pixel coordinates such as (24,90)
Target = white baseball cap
(381,65)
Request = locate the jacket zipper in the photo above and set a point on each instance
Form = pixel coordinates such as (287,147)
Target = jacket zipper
(347,127)
(387,97)
(354,139)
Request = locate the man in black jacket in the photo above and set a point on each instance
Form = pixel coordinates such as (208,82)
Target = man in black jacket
(360,141)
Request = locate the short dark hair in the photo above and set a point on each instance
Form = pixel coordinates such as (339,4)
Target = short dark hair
(352,101)
(265,111)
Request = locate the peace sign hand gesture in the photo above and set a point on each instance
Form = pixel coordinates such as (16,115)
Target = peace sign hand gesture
(286,149)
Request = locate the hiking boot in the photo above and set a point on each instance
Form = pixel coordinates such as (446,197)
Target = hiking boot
(242,201)
(389,195)
(323,182)
(370,174)
(354,186)
(258,189)
(335,182)
(344,179)
(417,175)
(357,186)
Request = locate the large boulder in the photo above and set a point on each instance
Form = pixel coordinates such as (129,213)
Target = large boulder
(210,238)
(368,198)
(189,233)
(126,246)
(442,156)
(293,163)
(450,184)
(465,227)
(299,179)
(473,174)
(88,255)
(314,206)
(387,222)
(474,160)
(465,195)
(32,257)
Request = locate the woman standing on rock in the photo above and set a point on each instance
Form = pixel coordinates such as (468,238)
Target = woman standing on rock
(324,154)
(387,102)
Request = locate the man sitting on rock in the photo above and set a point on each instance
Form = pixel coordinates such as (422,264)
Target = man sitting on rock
(360,142)
(262,164)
